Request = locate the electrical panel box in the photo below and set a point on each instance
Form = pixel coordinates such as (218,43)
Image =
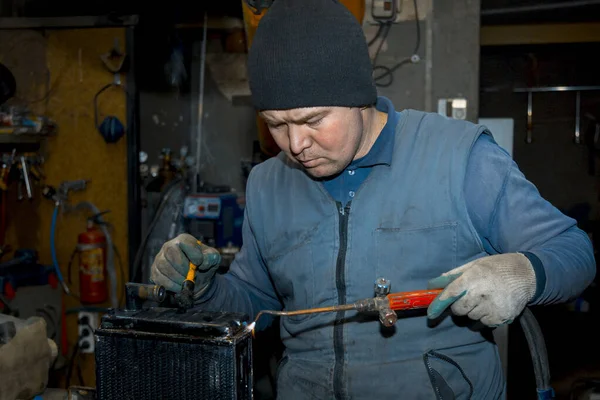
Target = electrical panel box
(203,207)
(215,218)
(454,108)
(382,11)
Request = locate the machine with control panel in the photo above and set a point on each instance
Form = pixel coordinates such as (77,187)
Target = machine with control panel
(215,218)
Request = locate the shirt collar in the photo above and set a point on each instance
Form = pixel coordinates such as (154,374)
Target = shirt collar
(382,151)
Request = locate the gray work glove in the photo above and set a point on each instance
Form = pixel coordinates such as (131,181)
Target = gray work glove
(26,356)
(171,265)
(493,289)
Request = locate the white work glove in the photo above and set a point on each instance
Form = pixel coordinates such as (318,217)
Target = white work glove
(493,289)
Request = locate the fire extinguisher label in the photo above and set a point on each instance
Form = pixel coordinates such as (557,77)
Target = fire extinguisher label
(92,264)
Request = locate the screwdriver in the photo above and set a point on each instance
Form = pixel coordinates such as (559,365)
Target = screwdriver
(185,298)
(400,301)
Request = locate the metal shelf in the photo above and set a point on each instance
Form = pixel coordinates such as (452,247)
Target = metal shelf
(541,89)
(21,139)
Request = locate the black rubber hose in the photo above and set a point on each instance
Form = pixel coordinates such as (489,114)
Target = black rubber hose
(537,348)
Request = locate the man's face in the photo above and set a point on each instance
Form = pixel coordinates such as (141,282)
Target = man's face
(323,140)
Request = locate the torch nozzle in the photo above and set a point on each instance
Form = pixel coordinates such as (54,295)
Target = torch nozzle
(342,307)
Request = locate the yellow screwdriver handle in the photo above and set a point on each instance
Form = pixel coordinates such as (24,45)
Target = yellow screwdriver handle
(192,270)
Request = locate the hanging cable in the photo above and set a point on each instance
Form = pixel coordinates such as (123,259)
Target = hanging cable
(377,35)
(53,249)
(388,72)
(383,32)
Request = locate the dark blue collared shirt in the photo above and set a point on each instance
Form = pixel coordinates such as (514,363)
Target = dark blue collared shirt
(344,185)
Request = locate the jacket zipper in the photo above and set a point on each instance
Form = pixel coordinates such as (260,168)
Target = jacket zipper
(340,283)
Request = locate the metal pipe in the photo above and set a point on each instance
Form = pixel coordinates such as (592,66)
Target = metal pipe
(541,89)
(556,89)
(343,307)
(134,183)
(538,7)
(200,109)
(529,117)
(577,118)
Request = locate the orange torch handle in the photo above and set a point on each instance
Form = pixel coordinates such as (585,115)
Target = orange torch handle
(412,300)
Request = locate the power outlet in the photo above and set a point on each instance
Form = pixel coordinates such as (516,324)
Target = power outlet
(88,322)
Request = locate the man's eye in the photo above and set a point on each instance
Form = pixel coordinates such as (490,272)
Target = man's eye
(315,122)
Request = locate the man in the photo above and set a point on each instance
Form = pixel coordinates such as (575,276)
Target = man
(361,191)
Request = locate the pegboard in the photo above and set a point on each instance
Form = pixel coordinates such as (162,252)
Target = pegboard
(63,68)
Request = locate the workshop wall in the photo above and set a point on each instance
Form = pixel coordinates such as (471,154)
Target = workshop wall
(407,90)
(448,47)
(70,59)
(168,112)
(228,130)
(557,166)
(448,63)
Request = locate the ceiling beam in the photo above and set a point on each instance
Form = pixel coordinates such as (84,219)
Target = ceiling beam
(68,22)
(503,35)
(538,7)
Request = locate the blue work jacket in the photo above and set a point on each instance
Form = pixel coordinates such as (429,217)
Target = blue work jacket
(408,222)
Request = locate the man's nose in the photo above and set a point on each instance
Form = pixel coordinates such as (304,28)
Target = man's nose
(299,139)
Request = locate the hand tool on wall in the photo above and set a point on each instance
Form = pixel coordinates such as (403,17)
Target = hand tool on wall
(26,180)
(23,168)
(20,183)
(61,195)
(4,172)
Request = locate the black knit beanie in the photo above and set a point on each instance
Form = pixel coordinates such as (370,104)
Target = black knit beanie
(310,53)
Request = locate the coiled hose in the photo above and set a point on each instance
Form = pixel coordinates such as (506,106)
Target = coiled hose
(53,249)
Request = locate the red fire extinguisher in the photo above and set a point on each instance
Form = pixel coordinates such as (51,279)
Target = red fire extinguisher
(91,246)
